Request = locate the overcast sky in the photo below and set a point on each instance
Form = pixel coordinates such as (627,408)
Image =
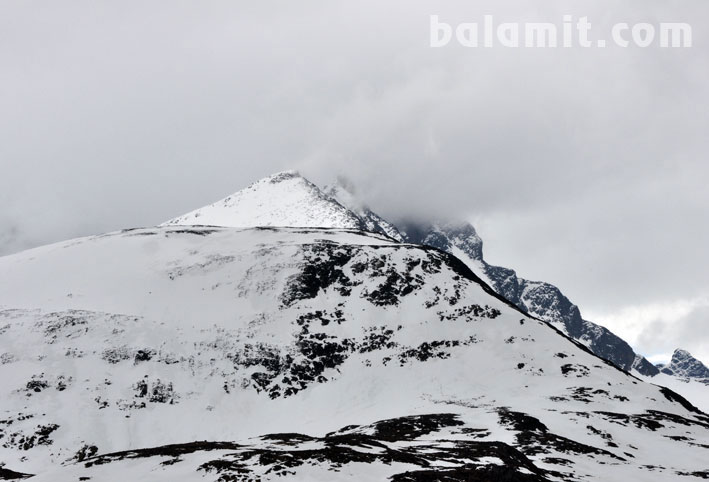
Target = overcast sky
(586,168)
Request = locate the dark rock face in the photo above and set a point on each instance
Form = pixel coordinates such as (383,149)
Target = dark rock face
(445,237)
(539,299)
(683,364)
(506,282)
(645,367)
(7,474)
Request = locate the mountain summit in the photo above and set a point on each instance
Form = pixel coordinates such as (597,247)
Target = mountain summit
(283,199)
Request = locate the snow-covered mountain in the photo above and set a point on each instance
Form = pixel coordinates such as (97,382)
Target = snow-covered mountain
(188,352)
(288,199)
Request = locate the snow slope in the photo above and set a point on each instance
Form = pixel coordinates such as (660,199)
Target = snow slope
(694,390)
(367,359)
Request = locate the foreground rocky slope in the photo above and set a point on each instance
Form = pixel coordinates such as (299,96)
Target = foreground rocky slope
(364,358)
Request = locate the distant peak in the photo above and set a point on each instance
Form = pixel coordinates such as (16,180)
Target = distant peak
(683,364)
(680,354)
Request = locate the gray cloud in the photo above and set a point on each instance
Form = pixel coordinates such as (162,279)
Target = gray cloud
(583,167)
(690,332)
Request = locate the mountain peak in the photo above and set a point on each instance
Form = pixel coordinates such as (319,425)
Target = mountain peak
(683,364)
(680,354)
(282,199)
(282,176)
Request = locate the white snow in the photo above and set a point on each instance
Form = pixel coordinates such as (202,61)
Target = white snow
(695,391)
(283,199)
(76,313)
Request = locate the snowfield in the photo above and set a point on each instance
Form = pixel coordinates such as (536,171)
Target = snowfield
(220,353)
(694,390)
